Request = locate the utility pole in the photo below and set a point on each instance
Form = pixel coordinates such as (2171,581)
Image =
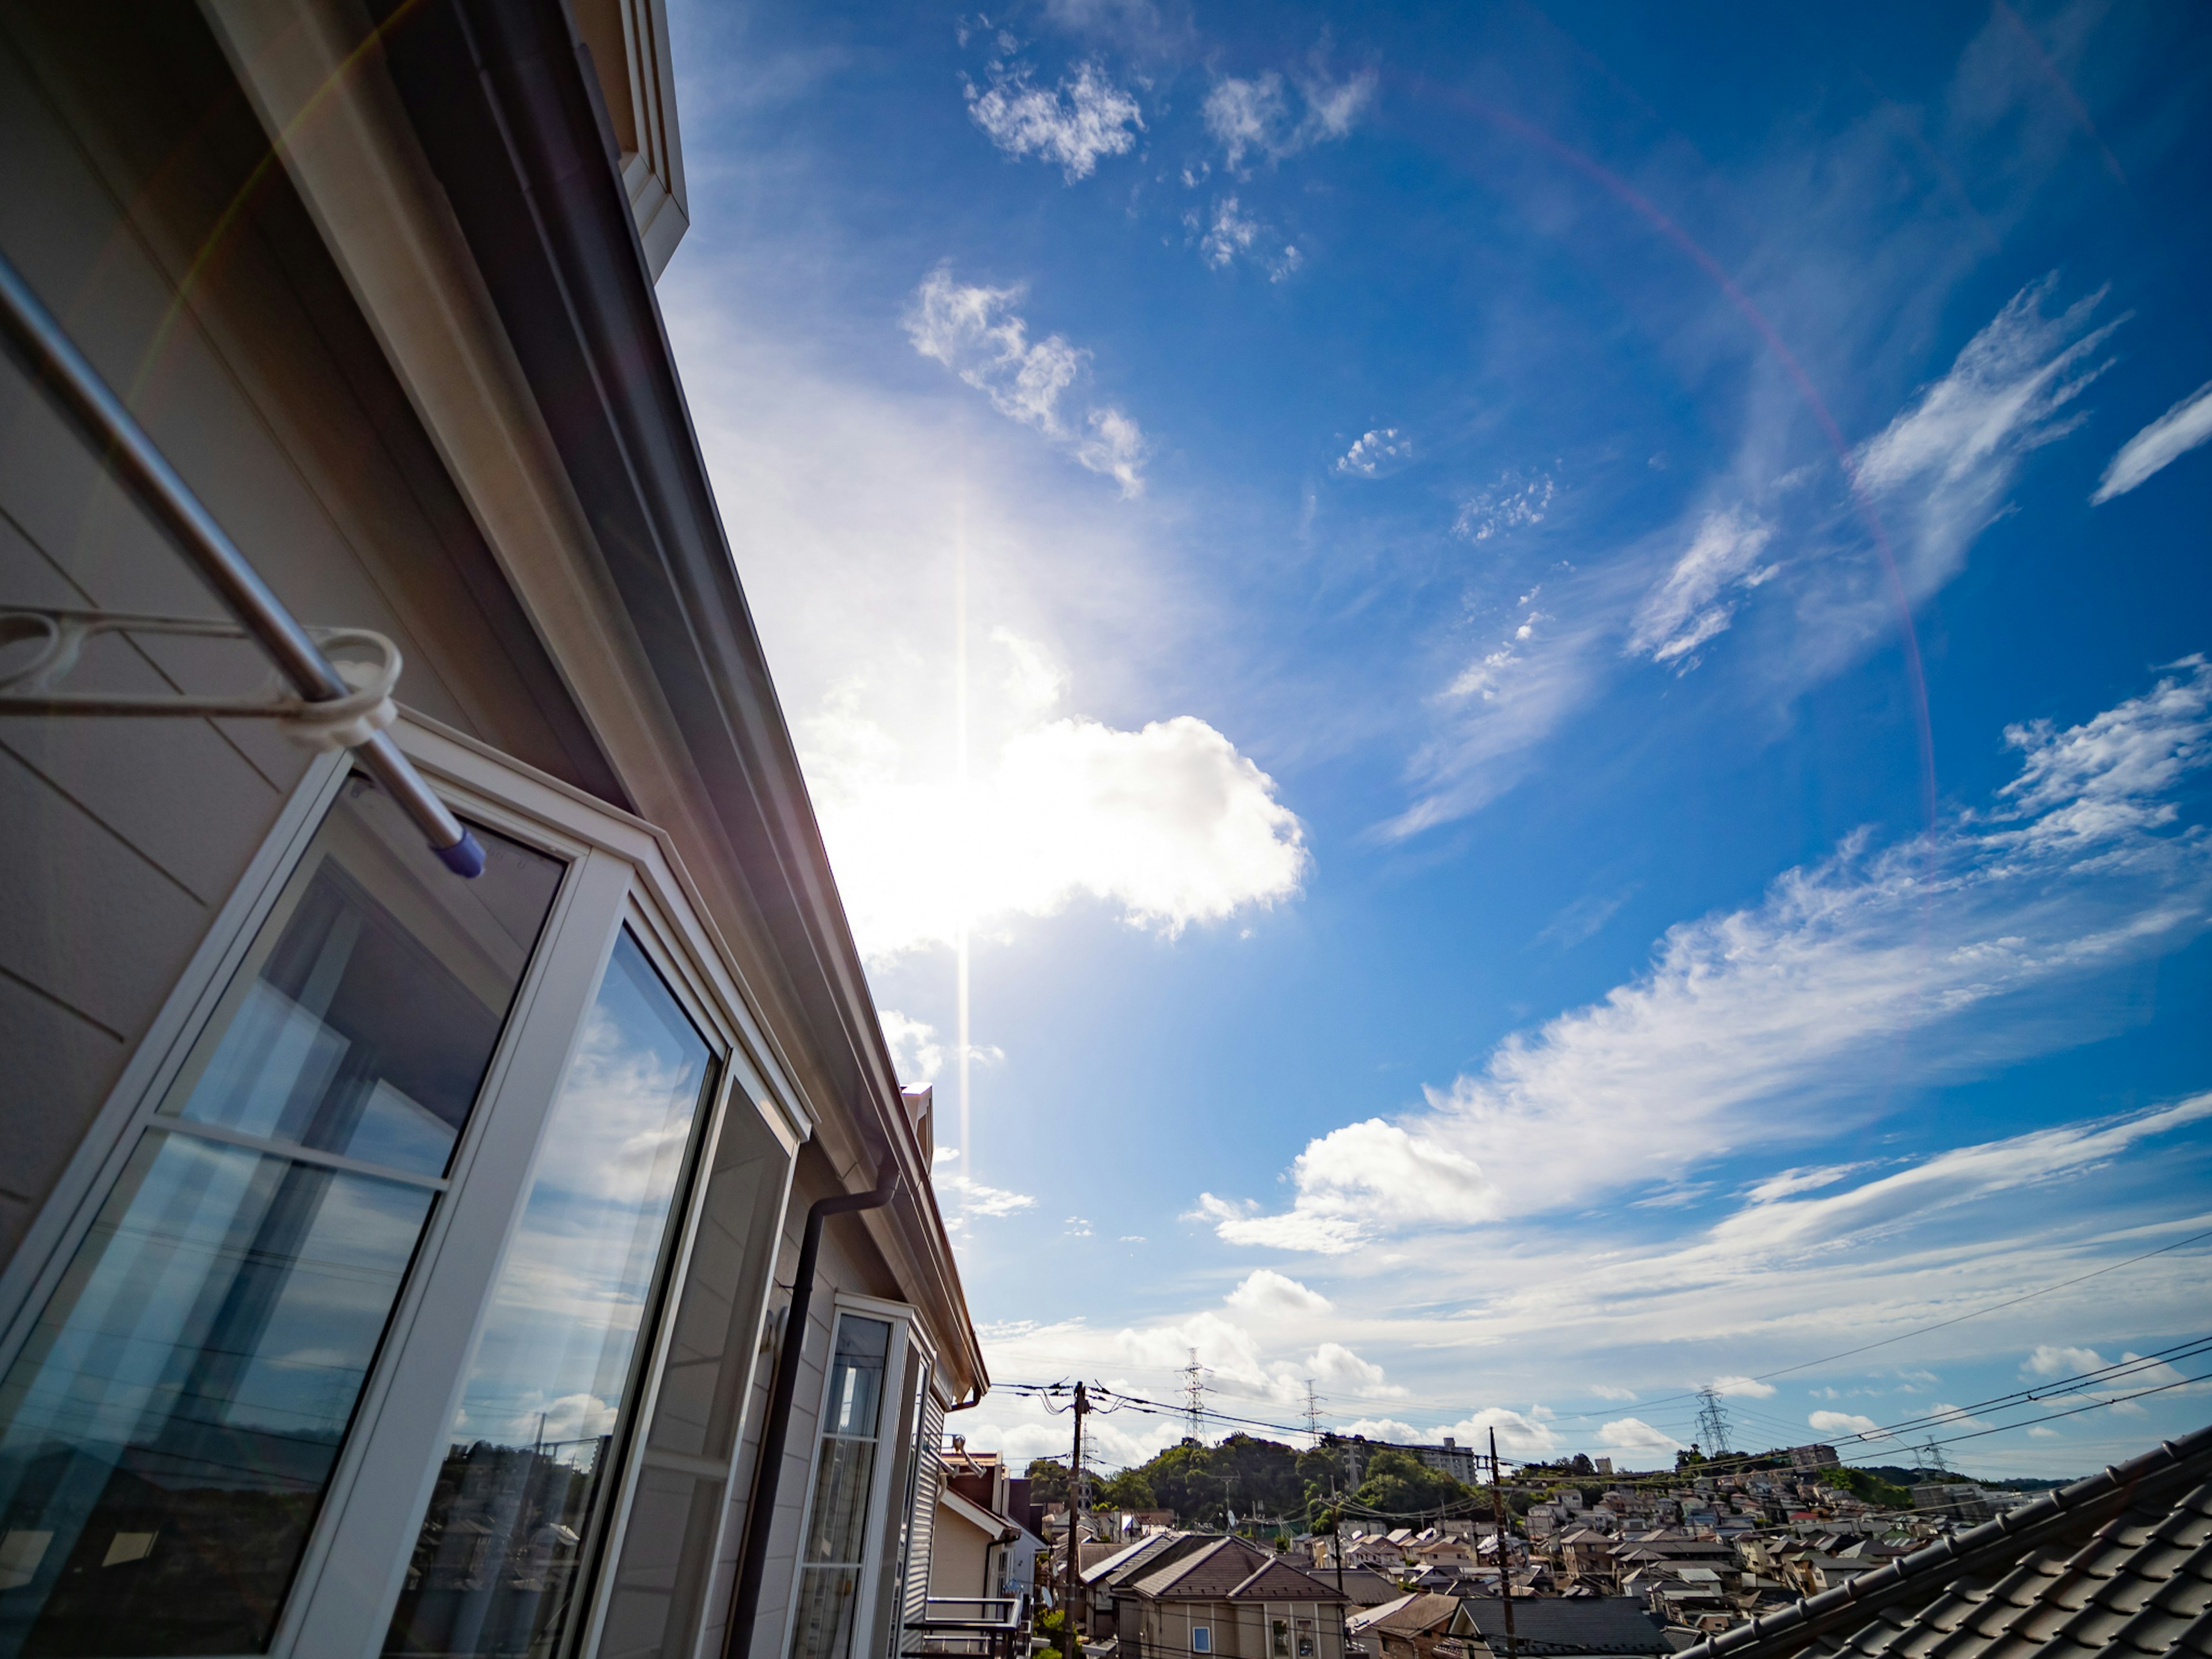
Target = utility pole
(1505,1567)
(1072,1637)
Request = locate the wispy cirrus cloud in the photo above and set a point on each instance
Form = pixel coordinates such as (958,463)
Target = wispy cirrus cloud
(1231,234)
(975,332)
(2074,868)
(1083,120)
(1692,604)
(2158,446)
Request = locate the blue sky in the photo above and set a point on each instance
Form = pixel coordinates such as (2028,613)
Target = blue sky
(1543,661)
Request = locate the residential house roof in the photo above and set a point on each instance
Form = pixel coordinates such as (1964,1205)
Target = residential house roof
(1561,1625)
(1225,1568)
(2120,1562)
(1409,1615)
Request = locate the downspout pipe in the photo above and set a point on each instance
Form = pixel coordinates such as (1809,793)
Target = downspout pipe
(760,1513)
(103,420)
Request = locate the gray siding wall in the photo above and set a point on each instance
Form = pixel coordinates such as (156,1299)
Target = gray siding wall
(848,1261)
(139,205)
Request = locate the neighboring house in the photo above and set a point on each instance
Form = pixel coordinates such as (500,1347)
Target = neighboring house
(1564,1626)
(1407,1628)
(1227,1596)
(2119,1563)
(412,1236)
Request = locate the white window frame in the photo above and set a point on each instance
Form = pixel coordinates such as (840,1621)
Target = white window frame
(622,872)
(1202,1638)
(905,1322)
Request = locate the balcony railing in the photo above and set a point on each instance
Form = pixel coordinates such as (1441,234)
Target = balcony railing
(990,1627)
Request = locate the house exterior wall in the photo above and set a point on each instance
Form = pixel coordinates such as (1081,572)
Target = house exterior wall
(305,337)
(265,390)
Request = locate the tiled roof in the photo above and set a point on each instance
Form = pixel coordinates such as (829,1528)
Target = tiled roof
(2119,1563)
(1547,1624)
(1280,1580)
(1208,1574)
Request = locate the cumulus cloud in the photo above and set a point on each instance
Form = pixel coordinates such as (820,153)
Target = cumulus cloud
(1606,1391)
(1520,1434)
(1512,503)
(915,1051)
(1692,604)
(1254,118)
(1264,1291)
(974,332)
(1846,1423)
(2055,1360)
(1374,453)
(2165,440)
(1169,823)
(1084,119)
(1633,1436)
(1802,998)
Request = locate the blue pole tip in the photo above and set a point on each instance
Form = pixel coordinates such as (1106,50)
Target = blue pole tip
(466,857)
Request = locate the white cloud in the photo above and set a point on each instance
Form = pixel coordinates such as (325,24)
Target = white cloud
(1520,1434)
(2165,440)
(1606,1391)
(1743,1387)
(1341,1372)
(1077,1226)
(1787,1183)
(2054,1359)
(1846,1423)
(1939,471)
(1169,823)
(1253,118)
(975,1199)
(2043,1431)
(1802,998)
(1688,608)
(1634,1435)
(1085,120)
(974,332)
(915,1052)
(1264,1291)
(1376,454)
(1232,233)
(1512,503)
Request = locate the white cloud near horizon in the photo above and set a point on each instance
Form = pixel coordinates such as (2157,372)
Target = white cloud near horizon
(1086,118)
(1169,823)
(1807,997)
(1851,1423)
(2158,445)
(1633,1436)
(974,332)
(1264,1291)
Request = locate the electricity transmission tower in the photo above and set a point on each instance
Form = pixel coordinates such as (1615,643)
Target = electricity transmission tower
(1712,1423)
(1931,1457)
(1313,1414)
(1194,1389)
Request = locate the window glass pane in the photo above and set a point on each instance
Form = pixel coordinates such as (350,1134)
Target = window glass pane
(658,1601)
(511,1523)
(168,1429)
(364,1023)
(845,1467)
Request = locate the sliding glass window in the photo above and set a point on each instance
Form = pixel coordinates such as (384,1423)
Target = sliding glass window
(522,1501)
(171,1423)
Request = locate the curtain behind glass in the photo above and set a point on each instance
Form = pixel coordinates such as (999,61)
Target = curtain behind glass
(499,1563)
(168,1430)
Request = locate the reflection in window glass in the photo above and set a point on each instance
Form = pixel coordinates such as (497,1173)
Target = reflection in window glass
(845,1467)
(511,1523)
(168,1429)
